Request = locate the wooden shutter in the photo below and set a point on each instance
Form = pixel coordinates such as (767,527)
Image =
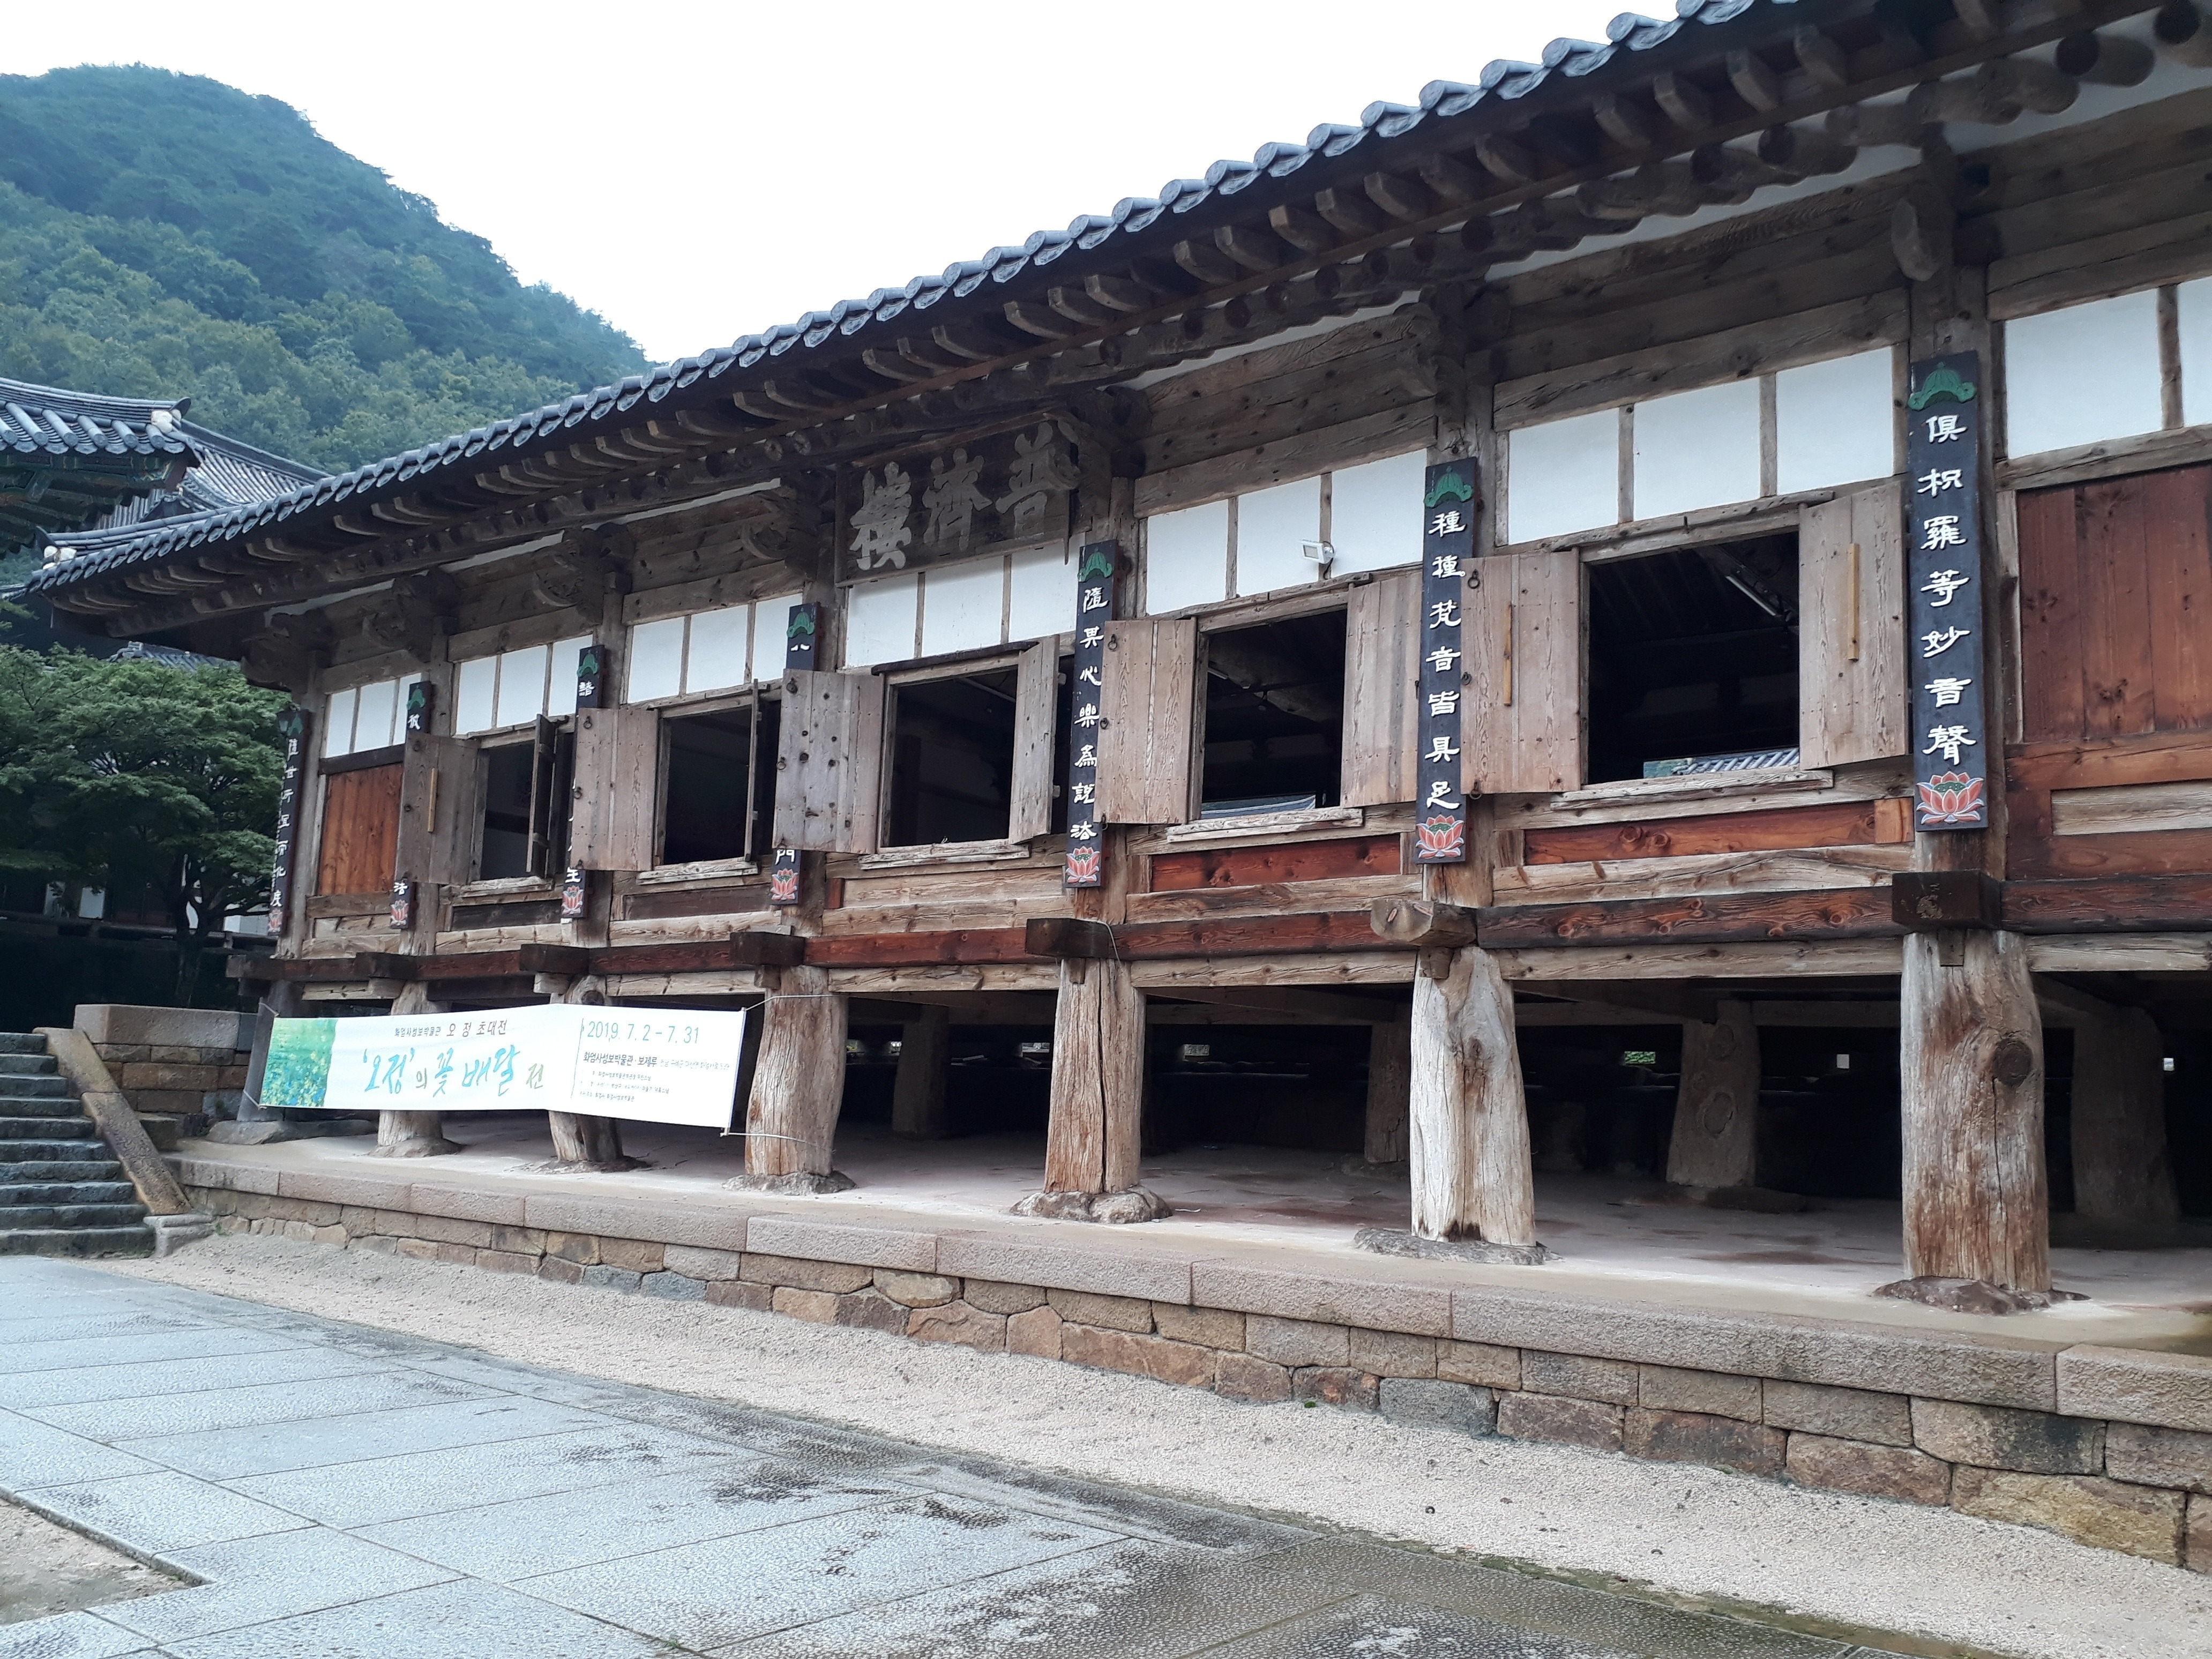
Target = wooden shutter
(1851,694)
(1037,699)
(1381,691)
(1148,717)
(438,810)
(615,794)
(1521,723)
(359,830)
(829,761)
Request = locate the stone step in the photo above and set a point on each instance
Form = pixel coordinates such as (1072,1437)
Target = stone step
(41,1171)
(44,1106)
(51,1148)
(78,1241)
(35,1088)
(39,1218)
(28,1065)
(21,1043)
(63,1192)
(46,1128)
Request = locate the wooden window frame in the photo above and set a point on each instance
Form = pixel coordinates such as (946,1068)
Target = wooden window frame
(758,834)
(1235,616)
(949,665)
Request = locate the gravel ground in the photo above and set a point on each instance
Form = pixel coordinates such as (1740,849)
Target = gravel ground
(1684,1530)
(45,1569)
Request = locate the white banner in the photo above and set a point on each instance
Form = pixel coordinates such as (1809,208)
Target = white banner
(654,1066)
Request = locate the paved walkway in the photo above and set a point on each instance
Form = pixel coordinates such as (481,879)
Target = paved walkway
(335,1490)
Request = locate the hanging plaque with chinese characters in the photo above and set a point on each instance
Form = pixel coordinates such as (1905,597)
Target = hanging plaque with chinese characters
(802,632)
(1094,608)
(293,725)
(1944,565)
(1010,490)
(1449,509)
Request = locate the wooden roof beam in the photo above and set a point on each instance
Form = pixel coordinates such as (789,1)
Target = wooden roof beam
(1042,320)
(1403,199)
(1207,262)
(1825,62)
(1755,81)
(1350,212)
(1624,118)
(1254,250)
(1302,230)
(2184,33)
(2106,60)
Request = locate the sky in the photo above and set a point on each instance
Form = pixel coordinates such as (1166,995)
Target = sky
(695,173)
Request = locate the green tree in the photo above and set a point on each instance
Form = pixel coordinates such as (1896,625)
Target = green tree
(133,775)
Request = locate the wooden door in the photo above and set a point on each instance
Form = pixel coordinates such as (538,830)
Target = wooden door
(438,810)
(1522,722)
(1851,690)
(360,830)
(615,797)
(1382,692)
(1146,721)
(829,761)
(1037,699)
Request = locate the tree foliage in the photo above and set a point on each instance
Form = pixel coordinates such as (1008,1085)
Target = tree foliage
(132,775)
(164,235)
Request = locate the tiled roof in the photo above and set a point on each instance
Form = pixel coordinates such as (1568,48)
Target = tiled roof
(1442,103)
(226,474)
(43,421)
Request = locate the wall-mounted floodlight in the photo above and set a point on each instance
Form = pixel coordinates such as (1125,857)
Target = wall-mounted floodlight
(1320,553)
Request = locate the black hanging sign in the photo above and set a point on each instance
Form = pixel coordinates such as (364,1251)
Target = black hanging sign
(421,703)
(1095,570)
(802,632)
(1450,506)
(293,725)
(594,663)
(403,906)
(1943,561)
(576,893)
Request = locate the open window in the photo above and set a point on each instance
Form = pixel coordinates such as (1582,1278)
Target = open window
(718,782)
(1274,716)
(523,805)
(971,754)
(1693,660)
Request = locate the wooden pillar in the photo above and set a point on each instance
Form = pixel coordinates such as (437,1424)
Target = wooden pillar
(1469,1145)
(1389,1090)
(1096,1133)
(412,1134)
(2122,1179)
(918,1091)
(1715,1145)
(580,1140)
(1976,1201)
(798,1083)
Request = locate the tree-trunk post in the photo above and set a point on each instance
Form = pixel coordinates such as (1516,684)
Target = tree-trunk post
(581,1140)
(1094,1138)
(2123,1177)
(918,1090)
(1389,1089)
(798,1085)
(1977,1199)
(1716,1139)
(412,1134)
(1471,1170)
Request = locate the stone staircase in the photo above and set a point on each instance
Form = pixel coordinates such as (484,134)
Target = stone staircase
(62,1191)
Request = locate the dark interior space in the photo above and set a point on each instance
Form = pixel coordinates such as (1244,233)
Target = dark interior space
(2189,1118)
(1257,1085)
(1600,1097)
(952,759)
(1274,716)
(1692,655)
(506,845)
(718,796)
(998,1078)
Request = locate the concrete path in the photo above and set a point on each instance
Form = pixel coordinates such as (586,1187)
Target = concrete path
(339,1490)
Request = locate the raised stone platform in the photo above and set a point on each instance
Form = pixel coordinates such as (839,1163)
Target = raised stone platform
(2093,1418)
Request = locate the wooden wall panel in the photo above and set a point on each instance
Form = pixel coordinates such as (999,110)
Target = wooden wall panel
(1522,721)
(1852,654)
(361,831)
(616,789)
(440,810)
(1382,692)
(1036,698)
(1250,866)
(1146,752)
(1841,823)
(829,761)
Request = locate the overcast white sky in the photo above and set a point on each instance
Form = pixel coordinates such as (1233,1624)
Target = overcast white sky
(698,172)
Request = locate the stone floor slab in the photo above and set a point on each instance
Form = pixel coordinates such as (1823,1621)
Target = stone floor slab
(252,1404)
(84,1384)
(254,1581)
(154,1514)
(22,1358)
(448,1621)
(236,1454)
(34,1455)
(70,1636)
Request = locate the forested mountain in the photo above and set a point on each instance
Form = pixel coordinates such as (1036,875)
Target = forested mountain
(166,235)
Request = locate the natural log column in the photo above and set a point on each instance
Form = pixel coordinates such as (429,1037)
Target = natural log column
(412,1134)
(791,1121)
(1389,1090)
(918,1091)
(1096,1133)
(1976,1201)
(580,1140)
(1471,1166)
(1716,1139)
(2122,1177)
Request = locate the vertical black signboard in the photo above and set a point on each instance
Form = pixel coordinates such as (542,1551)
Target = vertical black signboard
(1095,570)
(1449,509)
(1944,565)
(421,704)
(802,629)
(293,725)
(594,663)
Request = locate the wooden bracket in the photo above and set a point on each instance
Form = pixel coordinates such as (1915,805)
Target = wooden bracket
(1068,938)
(1421,924)
(386,965)
(1930,901)
(763,949)
(569,961)
(252,968)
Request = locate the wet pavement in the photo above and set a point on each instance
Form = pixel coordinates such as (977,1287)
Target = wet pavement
(332,1490)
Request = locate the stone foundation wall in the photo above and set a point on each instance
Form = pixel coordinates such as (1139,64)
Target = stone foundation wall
(2136,1487)
(178,1067)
